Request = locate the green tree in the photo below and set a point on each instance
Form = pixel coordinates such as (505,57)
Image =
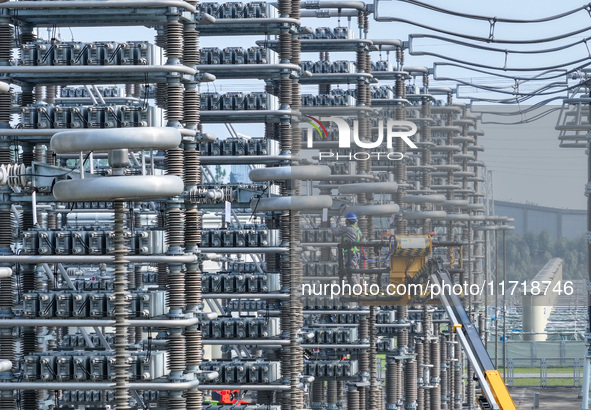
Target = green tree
(527,254)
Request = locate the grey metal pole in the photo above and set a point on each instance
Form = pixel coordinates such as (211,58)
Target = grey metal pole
(496,300)
(504,307)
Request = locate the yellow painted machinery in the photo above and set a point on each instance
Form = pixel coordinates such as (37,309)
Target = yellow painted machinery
(410,267)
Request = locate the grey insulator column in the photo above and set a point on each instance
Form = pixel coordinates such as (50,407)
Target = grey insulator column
(420,355)
(353,399)
(410,386)
(458,377)
(435,392)
(331,394)
(444,374)
(7,340)
(363,360)
(391,384)
(121,308)
(318,391)
(374,386)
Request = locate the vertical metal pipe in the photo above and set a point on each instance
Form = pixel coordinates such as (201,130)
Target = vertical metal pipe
(504,307)
(496,335)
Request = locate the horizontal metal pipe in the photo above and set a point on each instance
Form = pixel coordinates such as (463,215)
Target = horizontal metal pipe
(335,346)
(92,259)
(119,187)
(98,386)
(243,159)
(74,69)
(252,387)
(332,4)
(337,312)
(325,13)
(245,296)
(100,4)
(98,322)
(272,313)
(307,172)
(321,244)
(74,141)
(259,342)
(271,249)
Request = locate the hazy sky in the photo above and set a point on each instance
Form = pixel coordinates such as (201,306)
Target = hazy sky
(526,162)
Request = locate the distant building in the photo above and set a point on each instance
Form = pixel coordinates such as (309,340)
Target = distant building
(568,223)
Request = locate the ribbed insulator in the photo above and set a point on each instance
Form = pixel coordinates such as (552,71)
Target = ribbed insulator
(39,153)
(362,398)
(175,162)
(27,35)
(176,401)
(39,93)
(28,154)
(175,224)
(162,400)
(27,96)
(324,88)
(193,229)
(191,47)
(121,290)
(410,381)
(29,399)
(50,157)
(177,352)
(174,92)
(192,166)
(265,397)
(5,229)
(174,40)
(194,346)
(5,109)
(284,7)
(137,90)
(5,155)
(50,94)
(391,385)
(285,142)
(353,400)
(6,35)
(318,391)
(28,280)
(161,95)
(457,377)
(191,107)
(194,399)
(51,220)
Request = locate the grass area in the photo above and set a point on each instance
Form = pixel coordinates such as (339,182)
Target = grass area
(535,381)
(551,370)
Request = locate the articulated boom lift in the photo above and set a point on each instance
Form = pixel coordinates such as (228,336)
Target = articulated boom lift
(410,264)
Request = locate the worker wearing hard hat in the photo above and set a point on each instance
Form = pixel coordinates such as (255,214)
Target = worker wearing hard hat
(350,233)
